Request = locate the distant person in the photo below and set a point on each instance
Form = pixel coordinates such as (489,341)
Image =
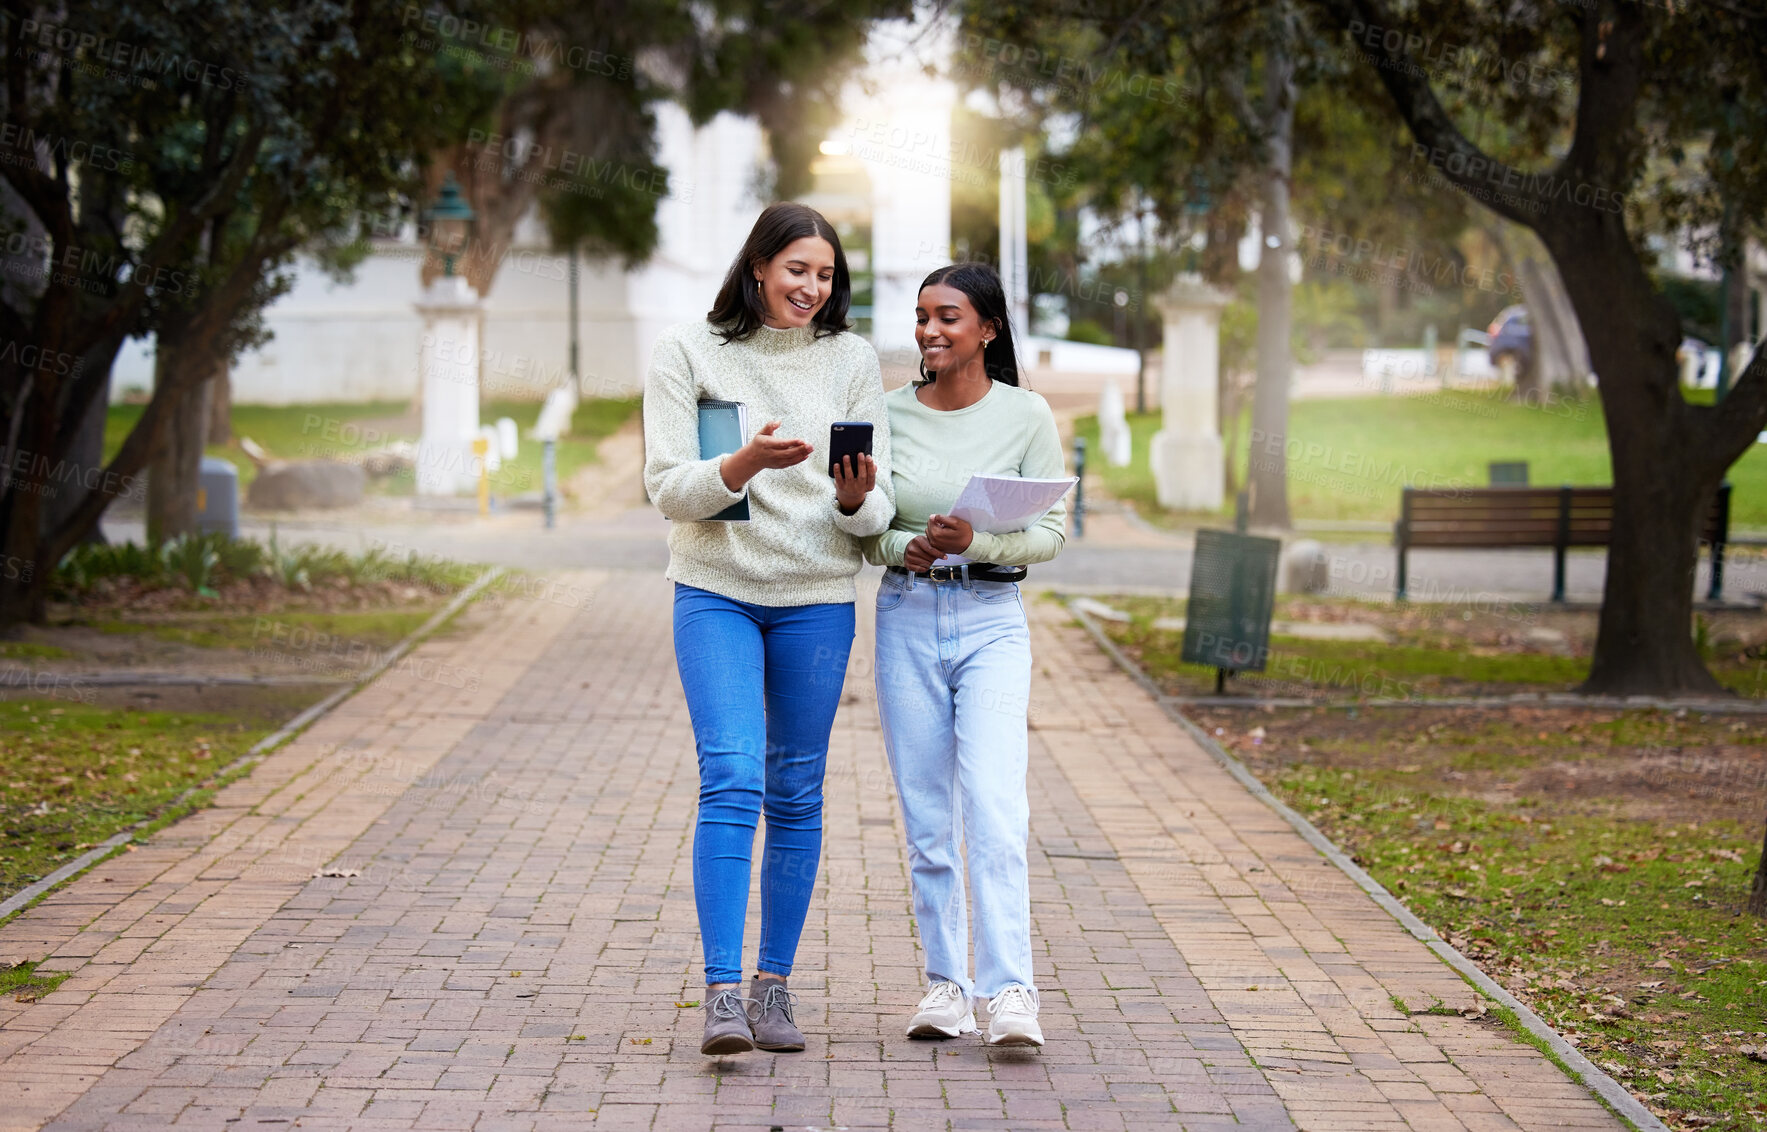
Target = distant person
(954,653)
(764,608)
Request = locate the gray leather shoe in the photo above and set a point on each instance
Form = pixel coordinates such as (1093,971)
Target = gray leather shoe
(770,1007)
(727,1021)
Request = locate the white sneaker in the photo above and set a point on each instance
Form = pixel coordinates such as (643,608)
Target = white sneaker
(1012,1018)
(945,1012)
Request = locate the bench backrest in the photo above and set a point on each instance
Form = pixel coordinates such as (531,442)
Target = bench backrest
(1519,516)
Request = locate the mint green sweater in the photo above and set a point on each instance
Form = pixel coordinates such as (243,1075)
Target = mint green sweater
(1009,432)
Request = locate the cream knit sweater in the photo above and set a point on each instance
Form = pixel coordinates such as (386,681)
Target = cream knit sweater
(797,548)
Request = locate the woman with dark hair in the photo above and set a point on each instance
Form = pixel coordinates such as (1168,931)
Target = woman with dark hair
(954,653)
(764,608)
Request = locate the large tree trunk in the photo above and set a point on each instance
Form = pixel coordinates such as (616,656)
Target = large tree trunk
(1665,472)
(1644,643)
(86,452)
(173,479)
(31,481)
(1668,456)
(1268,474)
(220,430)
(175,473)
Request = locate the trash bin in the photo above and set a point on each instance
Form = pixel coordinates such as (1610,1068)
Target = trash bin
(1232,595)
(217,497)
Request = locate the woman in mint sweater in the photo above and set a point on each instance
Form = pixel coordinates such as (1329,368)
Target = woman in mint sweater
(764,608)
(954,653)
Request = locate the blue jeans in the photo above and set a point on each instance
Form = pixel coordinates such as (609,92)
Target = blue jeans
(762,685)
(953,694)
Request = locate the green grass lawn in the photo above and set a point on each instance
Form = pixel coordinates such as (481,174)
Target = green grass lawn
(1349,457)
(73,774)
(286,432)
(344,431)
(1606,895)
(1420,662)
(1607,925)
(591,423)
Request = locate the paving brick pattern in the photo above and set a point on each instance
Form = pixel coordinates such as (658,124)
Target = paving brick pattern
(519,928)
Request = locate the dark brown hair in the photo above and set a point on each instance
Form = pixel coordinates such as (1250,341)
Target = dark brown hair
(738,311)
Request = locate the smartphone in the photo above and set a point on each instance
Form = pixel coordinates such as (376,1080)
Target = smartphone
(847,438)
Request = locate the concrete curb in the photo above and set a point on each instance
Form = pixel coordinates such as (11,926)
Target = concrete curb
(1736,706)
(262,747)
(1629,1107)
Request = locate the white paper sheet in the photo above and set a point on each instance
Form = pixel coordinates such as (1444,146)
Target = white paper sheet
(1001,505)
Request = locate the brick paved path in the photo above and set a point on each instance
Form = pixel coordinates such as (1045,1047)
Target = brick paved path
(521,925)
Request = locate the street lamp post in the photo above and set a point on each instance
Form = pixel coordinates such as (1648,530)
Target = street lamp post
(450,224)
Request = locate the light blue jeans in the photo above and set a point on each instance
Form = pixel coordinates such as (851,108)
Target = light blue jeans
(953,690)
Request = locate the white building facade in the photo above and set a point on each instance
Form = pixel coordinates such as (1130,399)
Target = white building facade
(358,340)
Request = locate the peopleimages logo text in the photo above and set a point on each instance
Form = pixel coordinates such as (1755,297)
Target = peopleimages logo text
(93,47)
(27,143)
(1541,186)
(535,45)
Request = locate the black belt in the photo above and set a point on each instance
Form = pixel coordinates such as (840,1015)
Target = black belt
(967,571)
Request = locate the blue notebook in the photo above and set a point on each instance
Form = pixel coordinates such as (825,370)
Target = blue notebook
(723,428)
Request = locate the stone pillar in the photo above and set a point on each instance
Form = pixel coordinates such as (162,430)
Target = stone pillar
(1186,453)
(904,139)
(448,367)
(1014,247)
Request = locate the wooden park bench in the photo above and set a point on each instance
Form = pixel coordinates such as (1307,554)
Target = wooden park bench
(1559,517)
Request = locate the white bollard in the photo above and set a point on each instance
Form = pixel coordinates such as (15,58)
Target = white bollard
(1113,427)
(1305,568)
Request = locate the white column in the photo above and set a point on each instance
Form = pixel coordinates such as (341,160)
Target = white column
(448,362)
(904,139)
(1014,255)
(1186,453)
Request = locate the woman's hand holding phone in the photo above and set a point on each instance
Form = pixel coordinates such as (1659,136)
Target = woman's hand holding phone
(853,483)
(764,451)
